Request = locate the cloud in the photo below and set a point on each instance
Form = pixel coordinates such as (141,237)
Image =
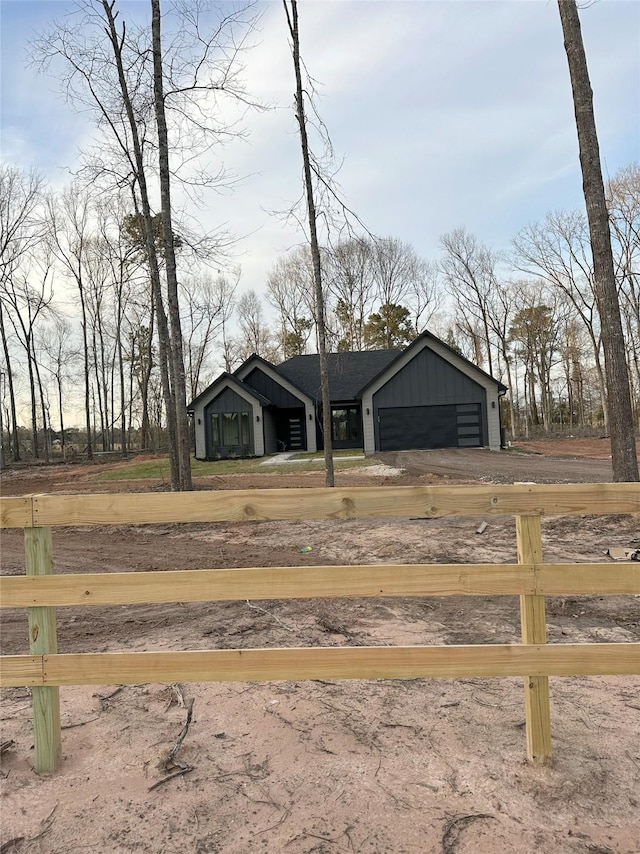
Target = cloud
(447,114)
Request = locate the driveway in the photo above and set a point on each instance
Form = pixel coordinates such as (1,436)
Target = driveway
(499,466)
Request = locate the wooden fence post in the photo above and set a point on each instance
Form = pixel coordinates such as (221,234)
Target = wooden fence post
(43,640)
(534,630)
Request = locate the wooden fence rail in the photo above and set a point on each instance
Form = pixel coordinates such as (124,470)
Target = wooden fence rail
(44,670)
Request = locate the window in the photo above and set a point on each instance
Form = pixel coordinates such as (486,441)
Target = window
(345,424)
(245,428)
(231,430)
(340,423)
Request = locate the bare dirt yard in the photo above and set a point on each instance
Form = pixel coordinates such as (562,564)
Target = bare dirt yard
(391,767)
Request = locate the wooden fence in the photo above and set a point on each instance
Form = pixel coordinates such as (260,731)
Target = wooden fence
(44,670)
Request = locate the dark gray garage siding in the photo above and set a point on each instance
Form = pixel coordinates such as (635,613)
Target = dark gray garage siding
(403,414)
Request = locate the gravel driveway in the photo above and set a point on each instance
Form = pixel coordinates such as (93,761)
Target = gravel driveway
(499,466)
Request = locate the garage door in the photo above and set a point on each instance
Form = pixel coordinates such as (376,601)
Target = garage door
(422,427)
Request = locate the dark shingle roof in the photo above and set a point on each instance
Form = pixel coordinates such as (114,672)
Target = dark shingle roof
(348,372)
(232,381)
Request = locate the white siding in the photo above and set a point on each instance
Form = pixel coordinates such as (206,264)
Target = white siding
(198,427)
(310,415)
(368,431)
(258,431)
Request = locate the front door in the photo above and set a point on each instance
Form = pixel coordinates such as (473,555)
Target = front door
(290,428)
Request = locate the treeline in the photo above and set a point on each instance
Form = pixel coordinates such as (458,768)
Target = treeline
(528,316)
(78,329)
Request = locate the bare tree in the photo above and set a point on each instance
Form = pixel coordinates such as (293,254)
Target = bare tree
(57,343)
(134,85)
(255,335)
(291,12)
(534,334)
(21,227)
(623,201)
(557,250)
(208,303)
(177,350)
(127,281)
(134,153)
(395,270)
(27,295)
(351,283)
(290,292)
(425,297)
(68,235)
(624,458)
(469,272)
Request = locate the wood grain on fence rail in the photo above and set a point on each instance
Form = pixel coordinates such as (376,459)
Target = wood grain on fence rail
(292,582)
(310,582)
(400,662)
(322,503)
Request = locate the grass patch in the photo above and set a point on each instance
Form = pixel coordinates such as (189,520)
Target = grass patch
(159,468)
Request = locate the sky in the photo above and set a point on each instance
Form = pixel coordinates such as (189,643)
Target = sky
(446,114)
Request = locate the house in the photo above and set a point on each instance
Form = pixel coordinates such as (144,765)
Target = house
(425,396)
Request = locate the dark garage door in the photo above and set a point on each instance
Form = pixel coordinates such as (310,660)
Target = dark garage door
(416,427)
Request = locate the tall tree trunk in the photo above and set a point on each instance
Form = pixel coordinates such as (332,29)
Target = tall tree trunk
(87,385)
(35,450)
(292,20)
(624,458)
(15,441)
(177,355)
(123,409)
(46,433)
(152,258)
(62,434)
(97,388)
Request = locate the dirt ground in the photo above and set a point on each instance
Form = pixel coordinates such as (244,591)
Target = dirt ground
(400,767)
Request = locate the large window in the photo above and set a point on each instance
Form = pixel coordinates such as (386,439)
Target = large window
(231,430)
(345,424)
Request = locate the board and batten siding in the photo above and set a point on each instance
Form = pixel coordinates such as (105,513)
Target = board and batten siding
(225,398)
(272,390)
(431,376)
(299,398)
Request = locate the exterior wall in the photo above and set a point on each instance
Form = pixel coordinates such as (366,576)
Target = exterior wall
(493,419)
(222,399)
(198,433)
(270,436)
(428,380)
(272,390)
(310,415)
(432,376)
(300,398)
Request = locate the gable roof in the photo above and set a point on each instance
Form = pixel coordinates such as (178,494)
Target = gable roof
(224,380)
(348,372)
(269,368)
(428,336)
